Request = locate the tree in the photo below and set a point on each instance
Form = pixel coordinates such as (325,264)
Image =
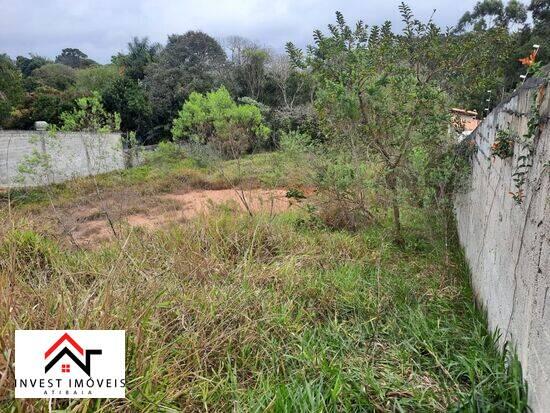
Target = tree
(378,87)
(540,34)
(237,46)
(27,65)
(140,53)
(252,70)
(44,103)
(292,84)
(11,89)
(492,13)
(249,67)
(74,58)
(189,62)
(55,75)
(126,97)
(215,118)
(95,78)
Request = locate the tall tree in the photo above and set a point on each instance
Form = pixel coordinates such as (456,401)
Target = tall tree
(74,58)
(27,64)
(126,97)
(141,52)
(189,62)
(493,13)
(11,88)
(380,89)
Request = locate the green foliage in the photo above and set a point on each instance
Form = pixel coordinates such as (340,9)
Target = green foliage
(96,79)
(11,88)
(90,116)
(140,53)
(503,147)
(376,88)
(216,119)
(492,13)
(45,103)
(527,150)
(27,64)
(127,97)
(74,58)
(188,63)
(55,75)
(165,154)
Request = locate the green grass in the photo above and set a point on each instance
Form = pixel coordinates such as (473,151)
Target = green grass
(252,314)
(230,312)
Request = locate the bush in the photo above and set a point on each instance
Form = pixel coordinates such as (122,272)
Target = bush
(300,119)
(165,153)
(215,119)
(346,185)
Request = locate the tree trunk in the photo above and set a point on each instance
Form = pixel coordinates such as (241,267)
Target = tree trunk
(391,180)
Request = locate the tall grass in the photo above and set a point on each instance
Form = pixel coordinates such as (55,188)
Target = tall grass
(237,313)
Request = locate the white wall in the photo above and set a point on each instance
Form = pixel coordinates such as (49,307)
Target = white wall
(70,154)
(508,245)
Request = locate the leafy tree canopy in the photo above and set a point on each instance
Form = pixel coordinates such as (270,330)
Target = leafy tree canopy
(56,75)
(189,62)
(96,78)
(27,64)
(74,58)
(381,90)
(127,97)
(493,13)
(141,52)
(11,89)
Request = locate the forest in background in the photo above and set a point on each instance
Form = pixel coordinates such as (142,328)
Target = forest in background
(148,84)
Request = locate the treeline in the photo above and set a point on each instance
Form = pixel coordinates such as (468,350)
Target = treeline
(148,84)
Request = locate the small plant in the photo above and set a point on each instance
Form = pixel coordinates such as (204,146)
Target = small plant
(294,193)
(525,160)
(503,147)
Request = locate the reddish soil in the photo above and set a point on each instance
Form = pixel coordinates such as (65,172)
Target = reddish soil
(89,226)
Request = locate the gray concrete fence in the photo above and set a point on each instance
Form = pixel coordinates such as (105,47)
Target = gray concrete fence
(508,245)
(33,158)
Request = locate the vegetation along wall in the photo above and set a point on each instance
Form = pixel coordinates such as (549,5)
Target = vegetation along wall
(503,220)
(31,158)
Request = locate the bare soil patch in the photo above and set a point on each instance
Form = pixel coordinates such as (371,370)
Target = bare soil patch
(90,225)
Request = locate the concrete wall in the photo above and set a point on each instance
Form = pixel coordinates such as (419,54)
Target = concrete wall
(68,155)
(508,245)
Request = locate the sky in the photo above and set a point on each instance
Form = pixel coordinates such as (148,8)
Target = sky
(102,28)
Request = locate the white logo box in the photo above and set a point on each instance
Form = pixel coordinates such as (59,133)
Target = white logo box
(80,363)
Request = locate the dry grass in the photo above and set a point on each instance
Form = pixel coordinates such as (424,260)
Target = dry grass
(231,312)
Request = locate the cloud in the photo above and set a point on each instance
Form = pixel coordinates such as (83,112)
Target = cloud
(101,28)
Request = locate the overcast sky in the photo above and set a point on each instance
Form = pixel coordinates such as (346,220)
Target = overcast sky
(101,28)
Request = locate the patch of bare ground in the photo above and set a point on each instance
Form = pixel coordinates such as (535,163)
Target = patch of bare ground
(88,224)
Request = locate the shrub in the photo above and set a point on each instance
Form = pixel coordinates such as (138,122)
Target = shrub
(215,119)
(165,153)
(90,115)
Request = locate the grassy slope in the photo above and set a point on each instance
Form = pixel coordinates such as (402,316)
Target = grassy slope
(247,313)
